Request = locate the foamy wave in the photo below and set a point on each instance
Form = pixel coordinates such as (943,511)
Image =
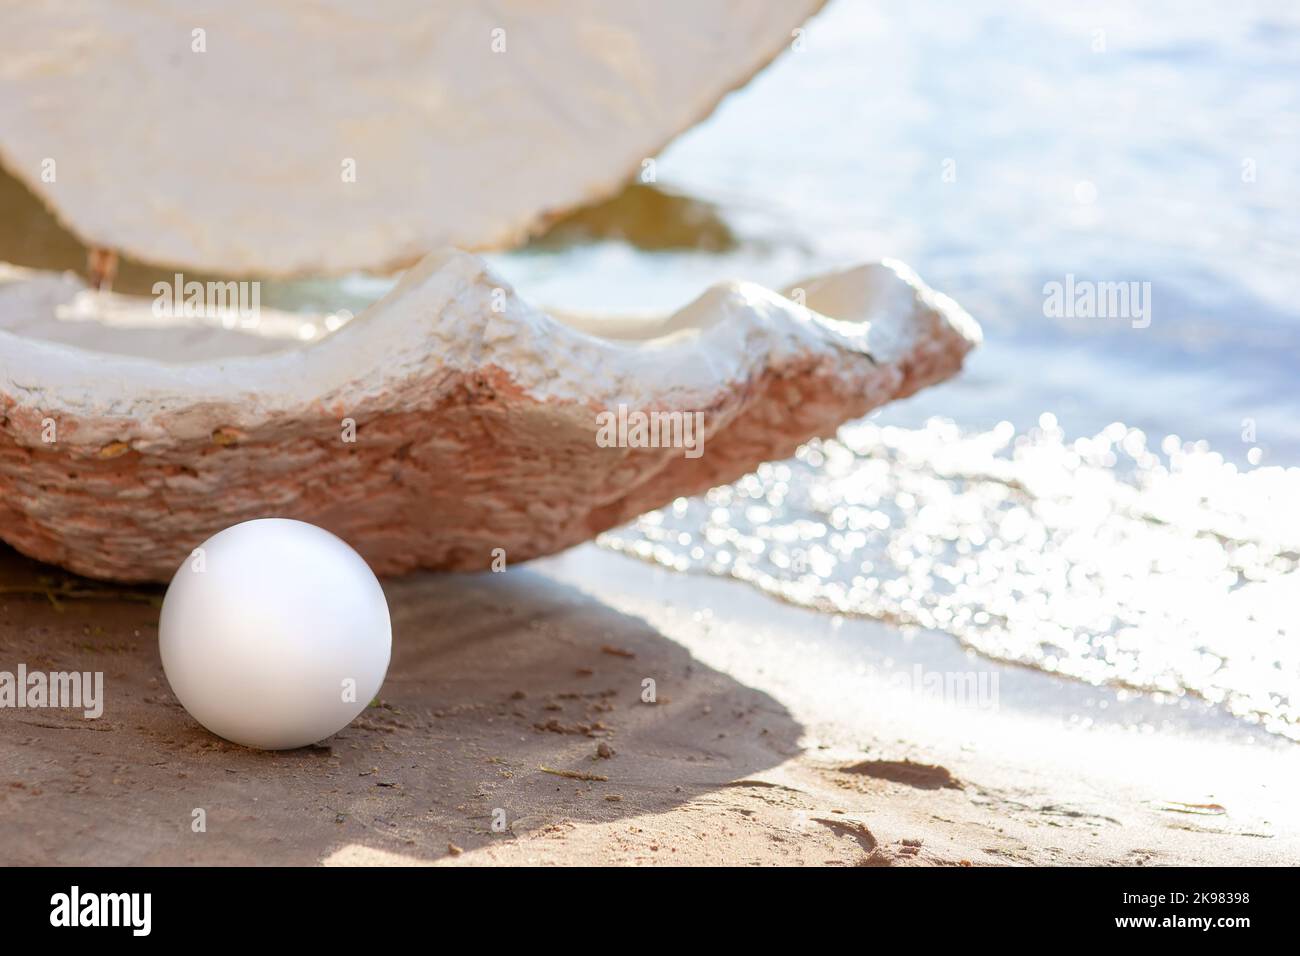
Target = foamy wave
(1102,559)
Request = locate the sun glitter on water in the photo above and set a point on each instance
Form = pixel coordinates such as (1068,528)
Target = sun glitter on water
(1101,559)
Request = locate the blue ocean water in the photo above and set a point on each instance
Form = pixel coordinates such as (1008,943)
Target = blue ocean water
(1153,143)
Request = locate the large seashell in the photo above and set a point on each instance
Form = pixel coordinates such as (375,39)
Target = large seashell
(477,418)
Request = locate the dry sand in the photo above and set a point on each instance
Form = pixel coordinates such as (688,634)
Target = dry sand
(779,736)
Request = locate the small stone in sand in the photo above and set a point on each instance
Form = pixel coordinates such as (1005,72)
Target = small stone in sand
(604,750)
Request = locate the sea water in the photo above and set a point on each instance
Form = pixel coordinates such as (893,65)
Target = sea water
(1100,558)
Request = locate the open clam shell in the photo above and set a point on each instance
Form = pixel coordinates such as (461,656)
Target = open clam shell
(449,420)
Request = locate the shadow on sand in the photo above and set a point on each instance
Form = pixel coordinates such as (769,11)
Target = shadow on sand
(494,677)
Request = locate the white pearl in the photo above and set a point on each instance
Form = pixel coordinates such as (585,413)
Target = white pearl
(274,634)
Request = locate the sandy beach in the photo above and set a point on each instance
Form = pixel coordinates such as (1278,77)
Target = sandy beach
(777,737)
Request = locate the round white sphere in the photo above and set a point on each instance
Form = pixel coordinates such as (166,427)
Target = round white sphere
(275,634)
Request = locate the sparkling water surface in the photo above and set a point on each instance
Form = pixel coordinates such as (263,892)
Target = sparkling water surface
(1164,569)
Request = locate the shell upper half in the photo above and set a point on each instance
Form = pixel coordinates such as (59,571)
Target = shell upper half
(253,137)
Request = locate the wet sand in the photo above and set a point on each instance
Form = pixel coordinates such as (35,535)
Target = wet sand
(778,736)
